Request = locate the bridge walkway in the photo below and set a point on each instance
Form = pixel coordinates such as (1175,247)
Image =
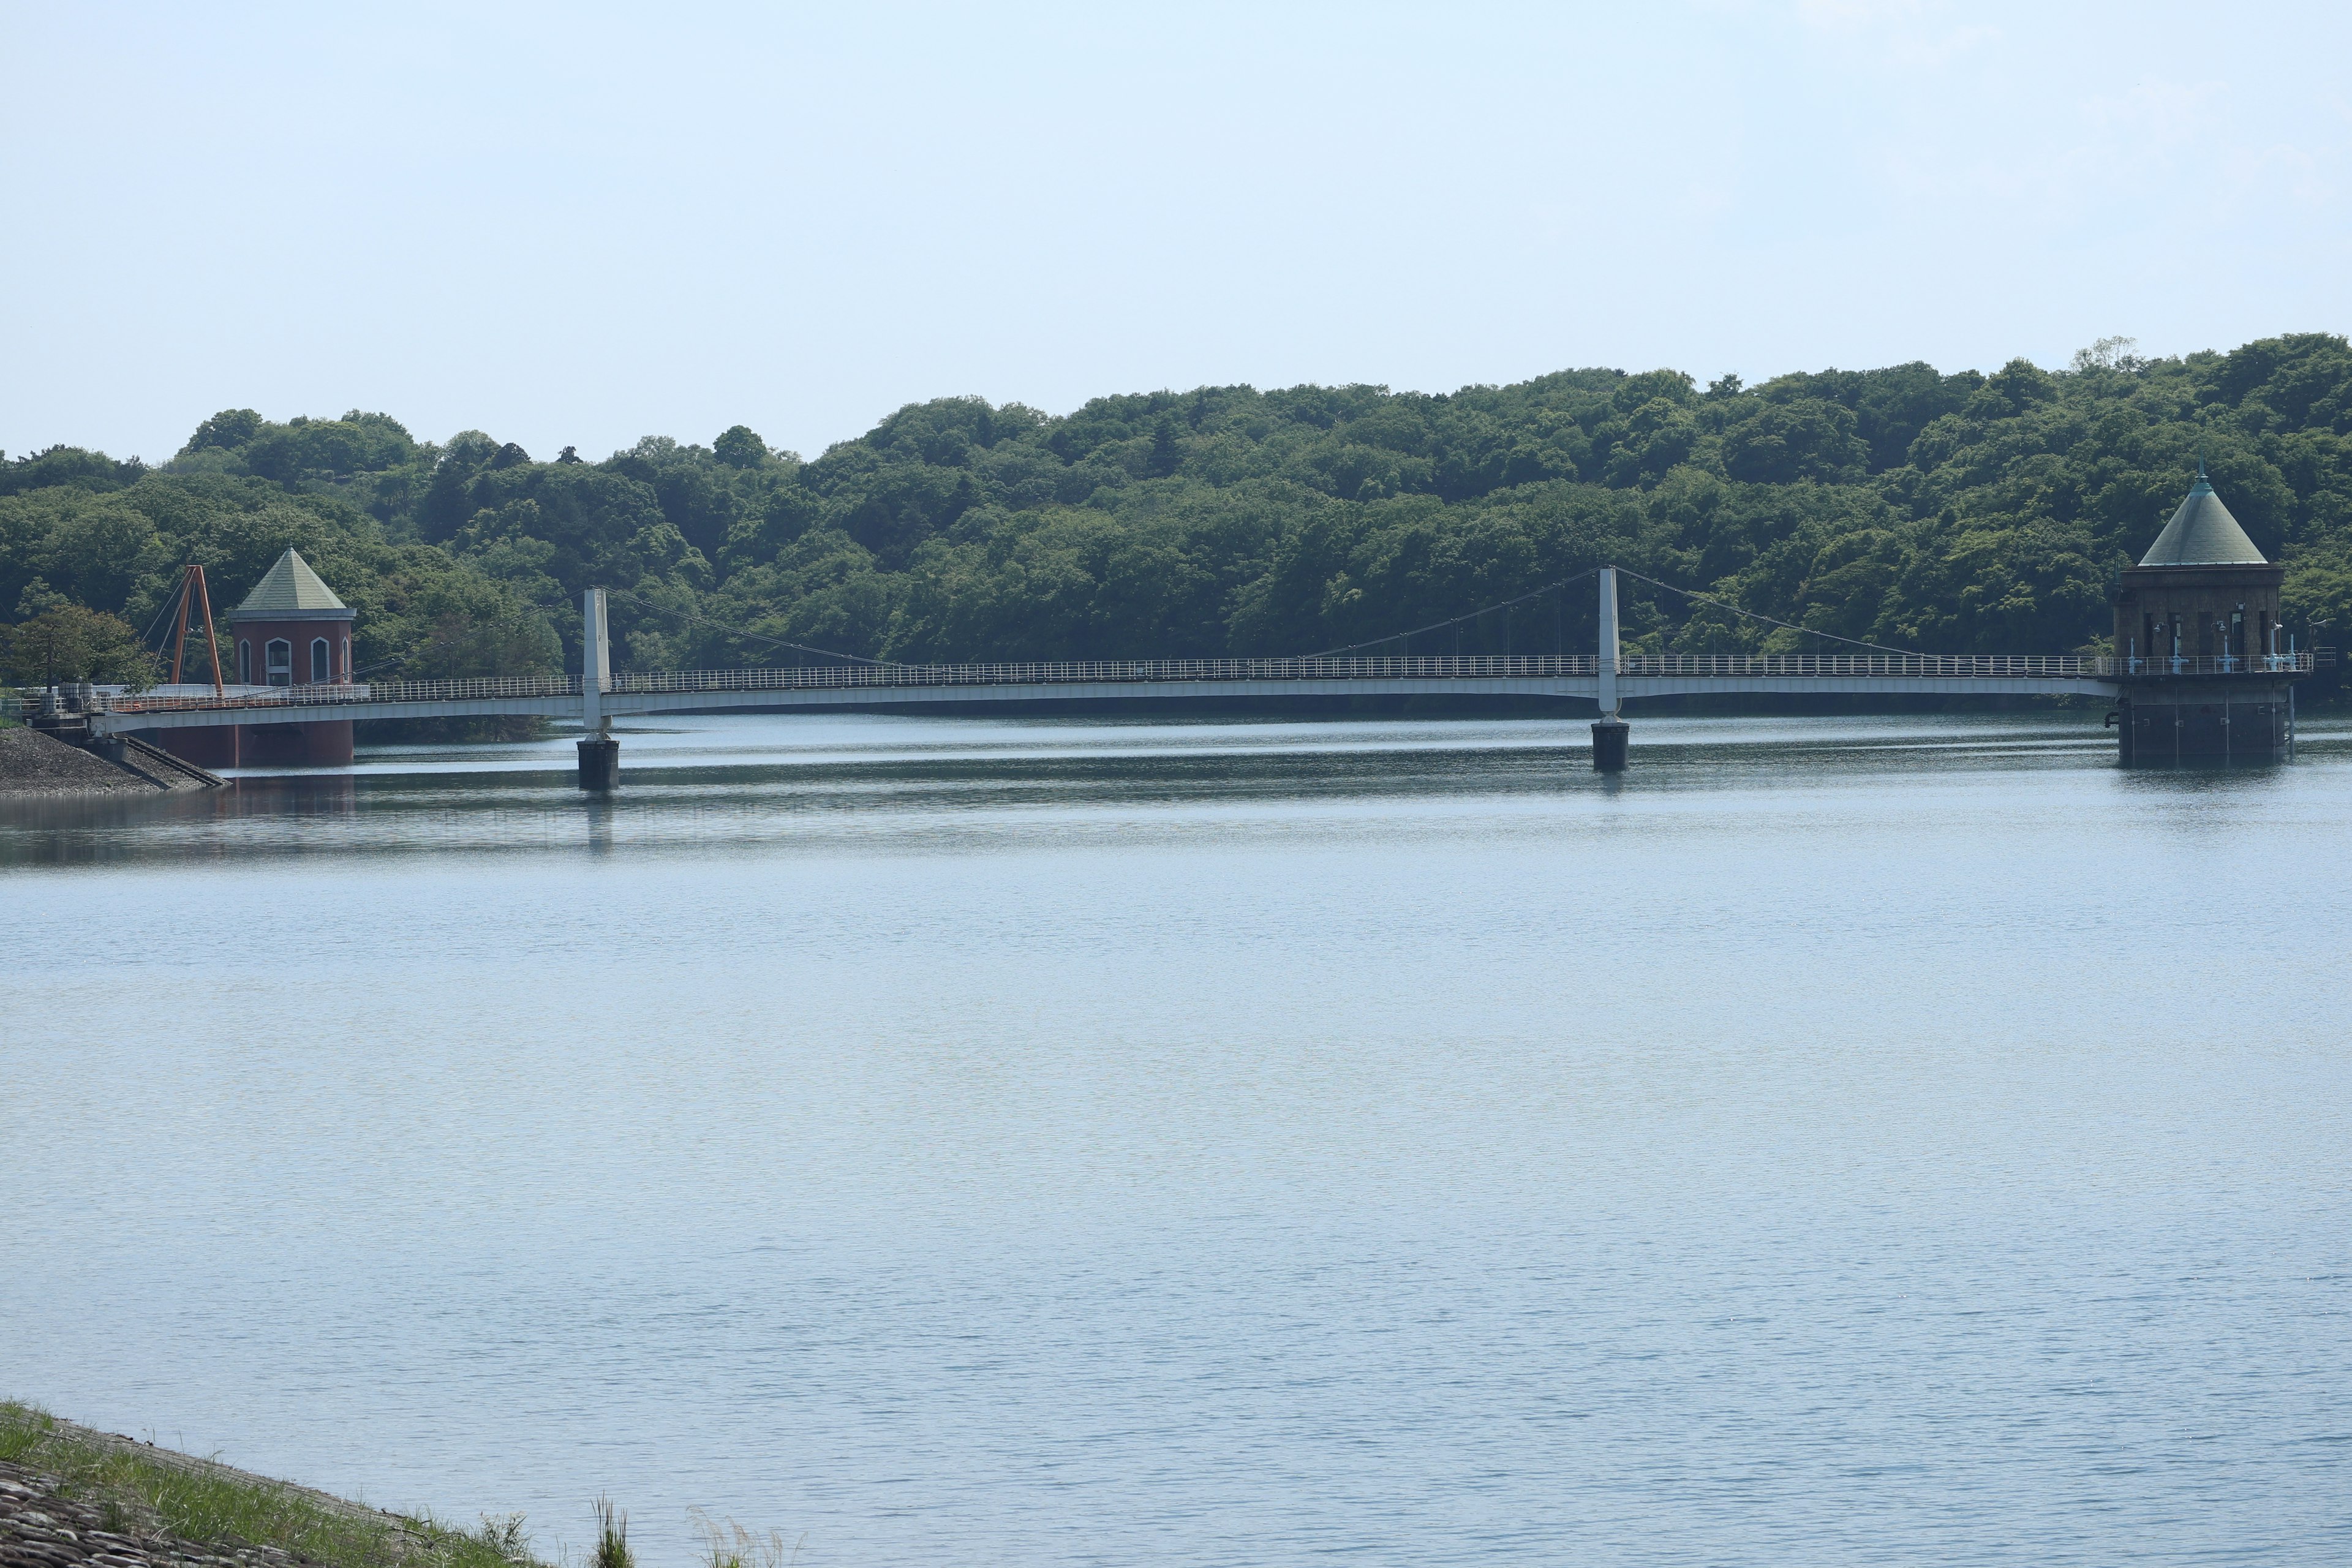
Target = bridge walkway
(1570,677)
(1607,678)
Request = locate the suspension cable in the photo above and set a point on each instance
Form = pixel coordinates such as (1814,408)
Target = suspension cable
(1759,614)
(1558,586)
(755,637)
(1456,620)
(166,608)
(427,643)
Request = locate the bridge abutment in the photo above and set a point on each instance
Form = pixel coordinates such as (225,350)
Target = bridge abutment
(2162,723)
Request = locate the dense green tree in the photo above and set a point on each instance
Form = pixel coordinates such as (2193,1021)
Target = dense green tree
(1961,513)
(68,642)
(120,551)
(1782,443)
(739,448)
(68,467)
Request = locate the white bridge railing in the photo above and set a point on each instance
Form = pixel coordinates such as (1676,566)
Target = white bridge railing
(802,678)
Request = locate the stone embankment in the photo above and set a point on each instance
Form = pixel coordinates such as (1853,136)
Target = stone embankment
(42,1527)
(34,763)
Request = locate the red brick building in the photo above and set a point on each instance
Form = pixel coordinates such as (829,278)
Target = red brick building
(290,631)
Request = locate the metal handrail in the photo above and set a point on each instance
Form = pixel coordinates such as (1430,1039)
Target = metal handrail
(2220,663)
(802,678)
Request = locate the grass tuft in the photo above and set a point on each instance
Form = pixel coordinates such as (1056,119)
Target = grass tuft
(612,1537)
(729,1545)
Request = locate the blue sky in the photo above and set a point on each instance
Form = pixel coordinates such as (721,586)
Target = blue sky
(580,227)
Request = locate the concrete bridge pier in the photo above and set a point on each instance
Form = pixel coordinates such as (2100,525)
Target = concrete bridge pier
(600,754)
(1610,734)
(1611,738)
(600,762)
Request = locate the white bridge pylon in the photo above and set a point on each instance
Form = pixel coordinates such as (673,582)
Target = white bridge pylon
(1606,694)
(595,663)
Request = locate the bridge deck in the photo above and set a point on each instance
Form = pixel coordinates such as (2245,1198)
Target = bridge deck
(1571,678)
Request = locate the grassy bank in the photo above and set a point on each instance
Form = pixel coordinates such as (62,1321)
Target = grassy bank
(149,1492)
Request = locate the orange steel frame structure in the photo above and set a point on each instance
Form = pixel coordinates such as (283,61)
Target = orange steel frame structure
(193,589)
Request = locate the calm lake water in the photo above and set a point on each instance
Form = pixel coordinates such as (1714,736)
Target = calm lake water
(1104,1142)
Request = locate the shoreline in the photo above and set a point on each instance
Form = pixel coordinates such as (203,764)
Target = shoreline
(36,764)
(72,1495)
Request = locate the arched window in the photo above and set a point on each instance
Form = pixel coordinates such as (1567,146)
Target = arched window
(277,662)
(244,662)
(347,657)
(323,667)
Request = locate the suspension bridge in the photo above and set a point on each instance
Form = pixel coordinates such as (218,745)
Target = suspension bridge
(1607,678)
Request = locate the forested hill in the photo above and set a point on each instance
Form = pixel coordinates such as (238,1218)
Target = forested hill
(1944,513)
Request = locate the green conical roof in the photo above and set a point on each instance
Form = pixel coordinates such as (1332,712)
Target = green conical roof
(2201,533)
(290,587)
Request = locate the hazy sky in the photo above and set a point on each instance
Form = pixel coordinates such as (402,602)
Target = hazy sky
(580,227)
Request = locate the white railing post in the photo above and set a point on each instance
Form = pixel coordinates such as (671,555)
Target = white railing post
(1608,642)
(595,661)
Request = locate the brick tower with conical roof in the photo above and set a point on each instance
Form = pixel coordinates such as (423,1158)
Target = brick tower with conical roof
(2197,643)
(292,630)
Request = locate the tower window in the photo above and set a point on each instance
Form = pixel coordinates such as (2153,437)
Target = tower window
(244,662)
(321,662)
(277,662)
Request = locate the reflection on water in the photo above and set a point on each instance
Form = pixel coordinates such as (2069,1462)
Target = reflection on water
(78,830)
(813,782)
(1094,1141)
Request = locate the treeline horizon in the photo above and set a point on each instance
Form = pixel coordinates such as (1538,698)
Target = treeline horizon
(1967,513)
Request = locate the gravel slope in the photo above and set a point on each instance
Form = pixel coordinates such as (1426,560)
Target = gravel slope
(35,763)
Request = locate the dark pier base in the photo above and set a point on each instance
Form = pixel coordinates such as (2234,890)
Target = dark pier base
(600,762)
(2161,729)
(1609,738)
